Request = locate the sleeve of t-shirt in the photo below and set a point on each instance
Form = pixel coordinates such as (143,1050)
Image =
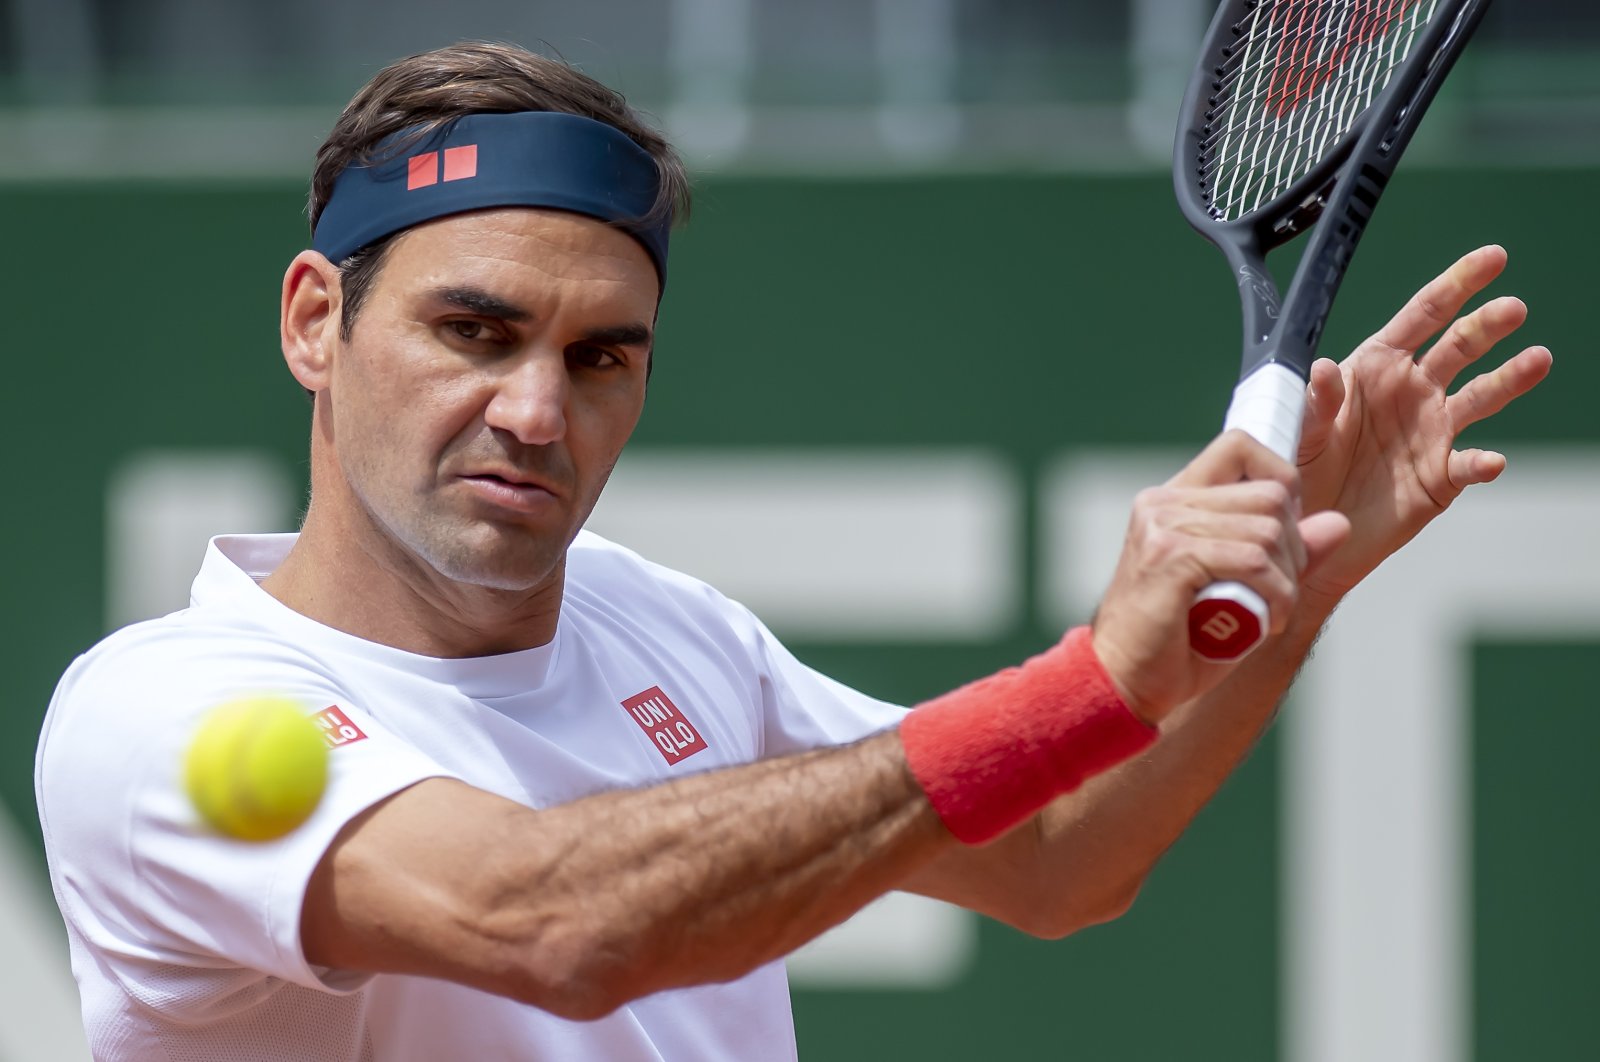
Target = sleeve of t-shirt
(801,707)
(137,872)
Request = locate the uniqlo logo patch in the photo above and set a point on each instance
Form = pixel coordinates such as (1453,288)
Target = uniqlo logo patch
(337,729)
(459,164)
(669,728)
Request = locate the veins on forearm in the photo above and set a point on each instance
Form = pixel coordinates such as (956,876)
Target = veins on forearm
(710,876)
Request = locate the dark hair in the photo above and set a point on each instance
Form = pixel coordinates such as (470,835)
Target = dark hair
(472,77)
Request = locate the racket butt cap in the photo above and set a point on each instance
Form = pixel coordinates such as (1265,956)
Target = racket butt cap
(1223,626)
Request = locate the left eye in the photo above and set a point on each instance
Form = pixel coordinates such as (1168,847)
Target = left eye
(593,357)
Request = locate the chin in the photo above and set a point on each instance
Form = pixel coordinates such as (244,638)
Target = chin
(497,565)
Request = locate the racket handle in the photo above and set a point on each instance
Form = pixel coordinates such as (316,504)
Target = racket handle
(1229,619)
(1269,404)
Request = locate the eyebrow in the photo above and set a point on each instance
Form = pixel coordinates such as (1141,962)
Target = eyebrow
(480,302)
(629,335)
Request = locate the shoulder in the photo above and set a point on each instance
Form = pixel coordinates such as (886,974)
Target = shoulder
(613,592)
(194,646)
(151,679)
(598,567)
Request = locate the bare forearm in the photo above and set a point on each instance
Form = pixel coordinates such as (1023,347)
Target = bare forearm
(587,905)
(723,872)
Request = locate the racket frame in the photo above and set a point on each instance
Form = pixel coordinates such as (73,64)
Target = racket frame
(1334,200)
(1334,205)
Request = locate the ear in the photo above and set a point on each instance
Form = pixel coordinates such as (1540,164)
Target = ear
(308,320)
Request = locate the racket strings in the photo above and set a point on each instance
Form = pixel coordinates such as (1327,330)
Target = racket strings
(1299,75)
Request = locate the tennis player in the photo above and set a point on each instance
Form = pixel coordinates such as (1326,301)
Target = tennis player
(582,806)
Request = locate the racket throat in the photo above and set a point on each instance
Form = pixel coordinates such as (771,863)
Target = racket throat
(1301,218)
(1269,405)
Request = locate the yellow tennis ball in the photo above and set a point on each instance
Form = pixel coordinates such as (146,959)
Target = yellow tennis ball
(257,767)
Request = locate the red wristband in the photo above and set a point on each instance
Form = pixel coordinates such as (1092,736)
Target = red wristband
(993,753)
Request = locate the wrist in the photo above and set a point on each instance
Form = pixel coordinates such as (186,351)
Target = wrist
(992,754)
(1316,603)
(1115,664)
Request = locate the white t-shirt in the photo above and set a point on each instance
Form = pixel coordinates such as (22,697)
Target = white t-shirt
(186,945)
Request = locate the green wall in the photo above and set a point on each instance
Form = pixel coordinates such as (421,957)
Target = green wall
(1025,315)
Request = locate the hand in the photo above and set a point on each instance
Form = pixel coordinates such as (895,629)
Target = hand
(1231,514)
(1377,444)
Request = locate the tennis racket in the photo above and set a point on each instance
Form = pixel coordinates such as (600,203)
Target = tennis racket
(1294,120)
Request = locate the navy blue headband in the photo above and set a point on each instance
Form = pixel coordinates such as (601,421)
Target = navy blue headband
(530,158)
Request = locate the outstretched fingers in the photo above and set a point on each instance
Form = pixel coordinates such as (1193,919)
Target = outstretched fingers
(1487,394)
(1437,304)
(1471,337)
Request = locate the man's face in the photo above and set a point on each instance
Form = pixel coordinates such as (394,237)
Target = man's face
(491,379)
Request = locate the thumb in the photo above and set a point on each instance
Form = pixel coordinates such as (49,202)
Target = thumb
(1323,533)
(1324,399)
(1231,457)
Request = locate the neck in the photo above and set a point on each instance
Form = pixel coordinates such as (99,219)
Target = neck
(347,574)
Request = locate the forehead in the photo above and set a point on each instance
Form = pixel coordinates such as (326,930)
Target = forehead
(527,249)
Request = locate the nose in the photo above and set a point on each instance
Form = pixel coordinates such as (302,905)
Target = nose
(530,400)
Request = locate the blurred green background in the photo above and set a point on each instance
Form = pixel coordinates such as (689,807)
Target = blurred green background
(922,226)
(1025,315)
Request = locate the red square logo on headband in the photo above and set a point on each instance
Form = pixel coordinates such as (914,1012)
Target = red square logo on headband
(422,170)
(459,164)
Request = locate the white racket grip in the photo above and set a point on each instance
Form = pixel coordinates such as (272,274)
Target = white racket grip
(1269,404)
(1229,619)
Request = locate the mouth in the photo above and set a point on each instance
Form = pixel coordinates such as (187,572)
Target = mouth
(506,492)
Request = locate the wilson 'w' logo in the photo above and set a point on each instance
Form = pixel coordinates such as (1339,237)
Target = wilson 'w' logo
(1221,627)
